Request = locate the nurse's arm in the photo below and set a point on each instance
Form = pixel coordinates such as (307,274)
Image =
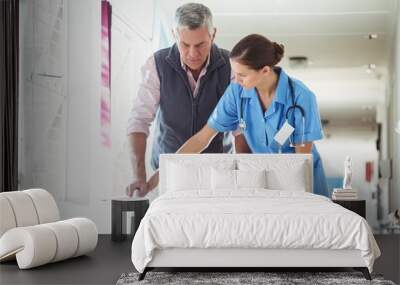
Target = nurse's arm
(306,148)
(195,144)
(241,145)
(199,141)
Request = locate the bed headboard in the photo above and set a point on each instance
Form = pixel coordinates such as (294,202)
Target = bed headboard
(281,162)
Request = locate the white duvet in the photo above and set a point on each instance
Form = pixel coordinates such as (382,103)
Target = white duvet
(252,218)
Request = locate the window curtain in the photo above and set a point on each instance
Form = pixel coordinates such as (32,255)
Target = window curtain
(9,49)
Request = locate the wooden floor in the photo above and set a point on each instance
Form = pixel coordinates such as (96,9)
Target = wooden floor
(389,262)
(111,259)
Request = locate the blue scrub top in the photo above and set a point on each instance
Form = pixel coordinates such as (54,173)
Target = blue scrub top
(261,127)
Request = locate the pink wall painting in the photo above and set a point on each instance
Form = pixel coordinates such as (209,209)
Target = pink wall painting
(105,100)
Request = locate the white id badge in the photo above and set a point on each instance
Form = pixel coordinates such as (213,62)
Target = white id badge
(283,134)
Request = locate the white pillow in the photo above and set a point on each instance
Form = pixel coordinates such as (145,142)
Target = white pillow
(293,180)
(251,178)
(223,179)
(281,174)
(182,177)
(227,179)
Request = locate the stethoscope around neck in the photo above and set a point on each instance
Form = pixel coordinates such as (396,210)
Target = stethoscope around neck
(291,109)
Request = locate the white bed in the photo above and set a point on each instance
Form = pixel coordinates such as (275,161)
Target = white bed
(203,220)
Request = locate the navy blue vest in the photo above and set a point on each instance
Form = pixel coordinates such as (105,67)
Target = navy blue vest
(180,116)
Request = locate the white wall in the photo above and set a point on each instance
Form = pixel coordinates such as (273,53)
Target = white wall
(354,92)
(105,172)
(383,180)
(347,133)
(131,46)
(60,125)
(394,116)
(88,173)
(43,104)
(360,144)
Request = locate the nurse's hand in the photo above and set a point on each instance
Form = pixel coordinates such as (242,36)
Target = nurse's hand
(241,145)
(305,148)
(198,142)
(152,182)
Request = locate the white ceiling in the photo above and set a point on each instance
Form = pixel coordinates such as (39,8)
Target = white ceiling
(332,34)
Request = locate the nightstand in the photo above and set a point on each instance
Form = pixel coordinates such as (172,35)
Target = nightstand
(124,204)
(357,206)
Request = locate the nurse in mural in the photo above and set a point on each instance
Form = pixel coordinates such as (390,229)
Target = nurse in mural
(275,113)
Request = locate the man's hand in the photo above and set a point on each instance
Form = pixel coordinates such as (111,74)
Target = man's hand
(138,185)
(137,143)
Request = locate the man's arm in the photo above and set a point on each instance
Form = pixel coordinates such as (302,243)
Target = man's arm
(143,112)
(137,144)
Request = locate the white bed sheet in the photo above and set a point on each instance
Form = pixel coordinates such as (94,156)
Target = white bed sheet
(251,218)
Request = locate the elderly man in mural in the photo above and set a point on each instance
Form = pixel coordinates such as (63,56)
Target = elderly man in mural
(181,84)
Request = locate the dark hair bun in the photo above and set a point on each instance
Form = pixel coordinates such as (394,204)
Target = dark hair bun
(256,51)
(279,52)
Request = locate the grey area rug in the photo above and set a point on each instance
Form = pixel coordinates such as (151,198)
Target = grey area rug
(229,278)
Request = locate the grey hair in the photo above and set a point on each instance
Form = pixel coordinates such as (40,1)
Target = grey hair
(193,16)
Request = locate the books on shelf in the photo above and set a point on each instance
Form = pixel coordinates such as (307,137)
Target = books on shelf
(344,194)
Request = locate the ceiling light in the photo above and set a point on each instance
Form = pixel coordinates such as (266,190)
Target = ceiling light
(366,108)
(372,36)
(298,61)
(366,119)
(325,122)
(370,67)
